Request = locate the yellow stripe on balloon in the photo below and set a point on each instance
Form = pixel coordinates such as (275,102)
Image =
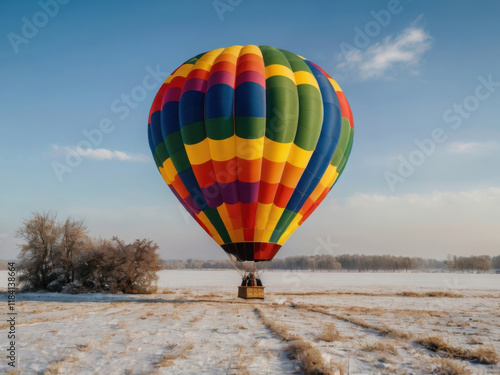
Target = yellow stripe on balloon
(236,235)
(276,151)
(198,153)
(279,70)
(274,217)
(239,235)
(299,157)
(183,71)
(218,239)
(206,61)
(267,235)
(222,149)
(326,182)
(251,49)
(302,77)
(213,232)
(164,175)
(234,51)
(330,174)
(262,214)
(258,235)
(335,85)
(249,149)
(222,209)
(169,169)
(291,228)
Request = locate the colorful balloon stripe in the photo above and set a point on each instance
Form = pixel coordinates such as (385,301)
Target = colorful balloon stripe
(250,139)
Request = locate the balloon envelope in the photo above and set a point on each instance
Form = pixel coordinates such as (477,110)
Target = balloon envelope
(250,139)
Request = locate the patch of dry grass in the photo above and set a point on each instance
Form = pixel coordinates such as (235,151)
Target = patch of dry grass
(475,341)
(174,351)
(380,346)
(304,351)
(330,333)
(436,294)
(383,329)
(56,367)
(483,354)
(446,366)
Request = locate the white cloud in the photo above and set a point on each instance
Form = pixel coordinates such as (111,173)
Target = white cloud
(102,154)
(474,148)
(381,60)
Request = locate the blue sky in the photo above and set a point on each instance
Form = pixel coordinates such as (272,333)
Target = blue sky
(415,73)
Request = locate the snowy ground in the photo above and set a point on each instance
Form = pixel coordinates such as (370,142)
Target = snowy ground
(198,326)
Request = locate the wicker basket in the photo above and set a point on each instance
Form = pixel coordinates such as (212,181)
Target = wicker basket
(251,292)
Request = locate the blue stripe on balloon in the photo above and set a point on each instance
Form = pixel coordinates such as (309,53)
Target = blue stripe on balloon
(325,148)
(191,107)
(169,118)
(219,101)
(250,100)
(155,133)
(189,180)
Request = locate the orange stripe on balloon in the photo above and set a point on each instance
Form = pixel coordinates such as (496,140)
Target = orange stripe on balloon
(179,187)
(234,211)
(224,66)
(267,192)
(283,195)
(198,73)
(225,171)
(249,170)
(291,175)
(272,171)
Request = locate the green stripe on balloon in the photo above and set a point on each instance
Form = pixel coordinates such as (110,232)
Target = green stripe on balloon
(250,127)
(219,128)
(310,117)
(193,133)
(283,223)
(215,219)
(193,60)
(180,160)
(161,154)
(342,144)
(310,106)
(282,109)
(347,152)
(174,142)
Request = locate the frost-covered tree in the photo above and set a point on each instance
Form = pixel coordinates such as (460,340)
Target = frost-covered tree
(40,235)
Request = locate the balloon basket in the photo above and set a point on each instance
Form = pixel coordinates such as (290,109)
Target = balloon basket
(251,292)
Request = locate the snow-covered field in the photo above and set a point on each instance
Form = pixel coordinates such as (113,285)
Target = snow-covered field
(364,323)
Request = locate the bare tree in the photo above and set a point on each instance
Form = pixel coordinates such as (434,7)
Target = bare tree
(40,235)
(73,240)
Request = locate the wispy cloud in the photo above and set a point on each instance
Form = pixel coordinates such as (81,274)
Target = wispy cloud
(101,153)
(403,51)
(474,148)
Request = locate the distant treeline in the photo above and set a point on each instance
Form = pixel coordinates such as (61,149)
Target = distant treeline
(353,262)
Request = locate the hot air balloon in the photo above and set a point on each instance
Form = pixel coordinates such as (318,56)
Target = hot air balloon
(250,139)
